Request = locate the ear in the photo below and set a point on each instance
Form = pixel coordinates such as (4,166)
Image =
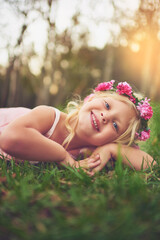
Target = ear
(89,98)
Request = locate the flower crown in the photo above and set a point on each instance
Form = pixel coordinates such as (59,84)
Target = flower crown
(143,106)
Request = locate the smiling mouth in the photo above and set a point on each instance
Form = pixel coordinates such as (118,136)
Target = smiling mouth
(94,121)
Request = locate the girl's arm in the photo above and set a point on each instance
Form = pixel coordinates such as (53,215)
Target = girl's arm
(23,139)
(130,156)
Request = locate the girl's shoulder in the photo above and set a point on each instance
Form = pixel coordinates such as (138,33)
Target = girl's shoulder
(46,116)
(57,114)
(8,115)
(44,111)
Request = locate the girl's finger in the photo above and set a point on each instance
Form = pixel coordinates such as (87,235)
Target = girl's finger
(94,164)
(94,158)
(97,169)
(88,165)
(90,174)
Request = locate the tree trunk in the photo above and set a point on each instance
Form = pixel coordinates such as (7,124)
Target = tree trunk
(108,67)
(6,88)
(147,67)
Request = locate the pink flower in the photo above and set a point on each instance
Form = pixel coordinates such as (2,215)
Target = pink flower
(144,135)
(88,97)
(145,109)
(132,99)
(124,88)
(105,86)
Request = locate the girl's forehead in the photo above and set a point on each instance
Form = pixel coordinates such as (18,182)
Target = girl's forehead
(109,98)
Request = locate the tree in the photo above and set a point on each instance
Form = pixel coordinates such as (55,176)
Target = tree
(144,33)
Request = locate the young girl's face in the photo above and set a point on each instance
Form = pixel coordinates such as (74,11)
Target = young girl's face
(103,120)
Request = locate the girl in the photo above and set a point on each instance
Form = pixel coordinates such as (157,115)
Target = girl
(110,116)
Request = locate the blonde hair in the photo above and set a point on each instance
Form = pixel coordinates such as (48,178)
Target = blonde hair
(73,108)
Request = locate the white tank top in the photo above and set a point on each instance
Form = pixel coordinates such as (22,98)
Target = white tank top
(57,117)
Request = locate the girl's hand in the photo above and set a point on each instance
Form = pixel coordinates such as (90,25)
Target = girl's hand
(89,163)
(105,153)
(131,156)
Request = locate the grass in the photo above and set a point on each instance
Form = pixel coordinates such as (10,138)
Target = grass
(44,202)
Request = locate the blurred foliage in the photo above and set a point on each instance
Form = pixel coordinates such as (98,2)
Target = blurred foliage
(152,146)
(69,65)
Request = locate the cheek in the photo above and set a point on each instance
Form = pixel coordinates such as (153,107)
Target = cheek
(109,134)
(106,137)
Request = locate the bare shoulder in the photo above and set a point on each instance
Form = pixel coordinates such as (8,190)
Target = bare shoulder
(40,118)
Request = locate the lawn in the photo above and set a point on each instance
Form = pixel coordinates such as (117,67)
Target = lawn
(45,202)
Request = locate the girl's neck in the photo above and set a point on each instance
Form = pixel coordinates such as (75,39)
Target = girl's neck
(77,143)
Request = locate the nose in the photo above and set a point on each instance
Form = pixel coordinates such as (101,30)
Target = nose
(104,118)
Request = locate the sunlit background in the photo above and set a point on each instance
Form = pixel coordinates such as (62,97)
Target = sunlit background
(52,49)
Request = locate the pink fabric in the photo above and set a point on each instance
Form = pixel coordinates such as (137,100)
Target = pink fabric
(7,115)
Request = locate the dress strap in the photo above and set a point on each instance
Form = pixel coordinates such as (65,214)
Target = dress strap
(57,117)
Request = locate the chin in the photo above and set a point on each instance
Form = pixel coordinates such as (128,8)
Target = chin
(97,144)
